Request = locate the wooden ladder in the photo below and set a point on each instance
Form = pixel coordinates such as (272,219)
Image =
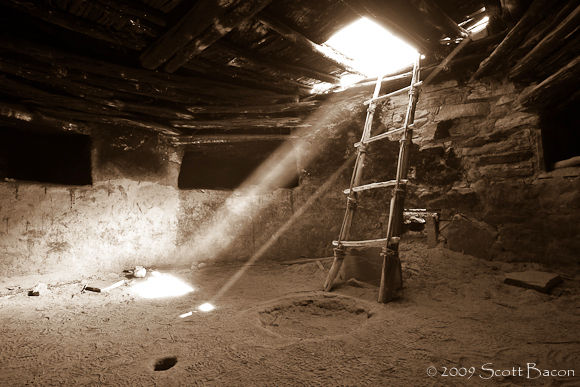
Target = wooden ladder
(391,277)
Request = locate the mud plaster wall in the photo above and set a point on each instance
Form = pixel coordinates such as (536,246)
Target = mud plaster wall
(127,217)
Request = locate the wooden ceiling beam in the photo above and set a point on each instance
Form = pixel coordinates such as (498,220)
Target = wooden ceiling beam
(557,89)
(126,80)
(550,43)
(242,123)
(77,24)
(218,29)
(438,19)
(203,139)
(288,108)
(134,8)
(278,65)
(244,77)
(322,51)
(200,16)
(535,13)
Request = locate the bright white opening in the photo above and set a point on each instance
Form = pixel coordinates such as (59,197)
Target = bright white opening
(480,25)
(373,49)
(207,307)
(161,285)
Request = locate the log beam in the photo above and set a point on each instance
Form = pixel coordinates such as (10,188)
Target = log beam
(434,15)
(322,51)
(200,139)
(77,24)
(242,123)
(219,28)
(554,89)
(547,45)
(199,17)
(292,69)
(533,15)
(131,81)
(289,108)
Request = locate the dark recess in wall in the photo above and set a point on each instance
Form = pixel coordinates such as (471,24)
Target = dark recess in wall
(226,166)
(59,158)
(134,155)
(560,135)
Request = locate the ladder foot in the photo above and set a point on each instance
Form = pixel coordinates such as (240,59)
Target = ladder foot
(391,276)
(334,269)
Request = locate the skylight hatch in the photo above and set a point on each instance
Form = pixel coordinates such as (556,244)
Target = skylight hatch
(373,49)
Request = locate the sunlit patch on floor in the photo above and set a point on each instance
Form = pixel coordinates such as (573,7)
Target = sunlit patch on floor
(161,285)
(165,363)
(206,307)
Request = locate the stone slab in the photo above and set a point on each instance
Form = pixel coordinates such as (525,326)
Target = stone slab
(538,280)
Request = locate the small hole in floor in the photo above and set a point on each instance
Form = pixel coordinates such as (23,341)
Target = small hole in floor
(165,363)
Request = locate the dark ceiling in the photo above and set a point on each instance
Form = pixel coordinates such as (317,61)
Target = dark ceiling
(175,66)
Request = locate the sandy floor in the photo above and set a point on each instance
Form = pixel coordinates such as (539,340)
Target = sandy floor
(275,328)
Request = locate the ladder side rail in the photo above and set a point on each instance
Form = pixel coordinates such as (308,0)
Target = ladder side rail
(391,276)
(358,167)
(352,197)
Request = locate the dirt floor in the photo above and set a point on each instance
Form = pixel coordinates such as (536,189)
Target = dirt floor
(275,327)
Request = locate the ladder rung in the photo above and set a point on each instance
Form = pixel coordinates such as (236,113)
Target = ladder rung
(381,184)
(396,92)
(382,136)
(367,243)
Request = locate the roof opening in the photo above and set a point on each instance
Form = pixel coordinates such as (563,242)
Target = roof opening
(373,49)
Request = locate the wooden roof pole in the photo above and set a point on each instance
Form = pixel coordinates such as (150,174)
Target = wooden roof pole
(218,28)
(438,18)
(533,15)
(547,45)
(322,51)
(199,17)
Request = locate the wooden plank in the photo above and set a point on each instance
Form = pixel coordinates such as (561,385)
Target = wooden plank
(547,45)
(220,27)
(322,51)
(533,15)
(200,16)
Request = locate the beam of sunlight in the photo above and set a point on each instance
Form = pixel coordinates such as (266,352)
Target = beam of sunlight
(234,218)
(231,220)
(161,285)
(258,254)
(374,50)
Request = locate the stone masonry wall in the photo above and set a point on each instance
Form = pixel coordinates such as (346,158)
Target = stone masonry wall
(478,158)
